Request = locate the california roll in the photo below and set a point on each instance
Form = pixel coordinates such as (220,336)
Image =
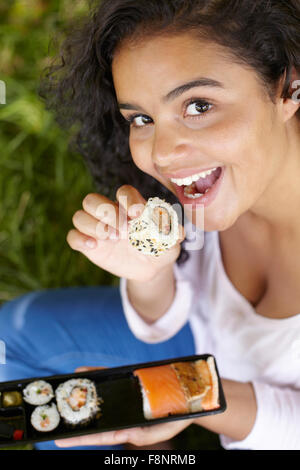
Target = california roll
(156,230)
(38,393)
(45,418)
(77,401)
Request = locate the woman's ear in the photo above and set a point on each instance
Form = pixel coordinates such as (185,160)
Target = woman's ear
(291,105)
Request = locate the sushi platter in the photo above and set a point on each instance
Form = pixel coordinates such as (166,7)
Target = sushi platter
(68,405)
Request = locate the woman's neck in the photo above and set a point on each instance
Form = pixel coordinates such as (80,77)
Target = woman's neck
(278,209)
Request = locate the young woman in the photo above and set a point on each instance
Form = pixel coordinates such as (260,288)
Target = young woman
(165,90)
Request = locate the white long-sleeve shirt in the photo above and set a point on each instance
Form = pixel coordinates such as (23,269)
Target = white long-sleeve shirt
(247,346)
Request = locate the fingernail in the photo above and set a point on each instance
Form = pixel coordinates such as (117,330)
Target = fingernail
(131,211)
(90,243)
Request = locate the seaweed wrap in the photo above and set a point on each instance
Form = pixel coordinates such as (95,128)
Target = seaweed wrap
(77,401)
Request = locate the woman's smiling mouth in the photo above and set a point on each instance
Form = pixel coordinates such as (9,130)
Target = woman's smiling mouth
(193,178)
(200,188)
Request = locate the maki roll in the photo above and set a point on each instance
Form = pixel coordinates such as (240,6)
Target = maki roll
(179,388)
(45,418)
(38,393)
(156,230)
(77,401)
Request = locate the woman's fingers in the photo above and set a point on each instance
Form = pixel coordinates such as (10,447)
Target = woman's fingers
(100,213)
(101,208)
(105,438)
(80,242)
(153,434)
(88,225)
(107,213)
(140,436)
(130,200)
(85,368)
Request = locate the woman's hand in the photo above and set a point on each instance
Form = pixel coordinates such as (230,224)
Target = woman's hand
(139,436)
(101,234)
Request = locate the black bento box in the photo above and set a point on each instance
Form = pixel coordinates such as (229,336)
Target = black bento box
(121,407)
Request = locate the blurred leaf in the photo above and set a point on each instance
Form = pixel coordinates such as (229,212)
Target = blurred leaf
(41,182)
(26,112)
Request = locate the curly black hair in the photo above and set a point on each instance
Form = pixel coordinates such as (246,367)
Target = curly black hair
(78,85)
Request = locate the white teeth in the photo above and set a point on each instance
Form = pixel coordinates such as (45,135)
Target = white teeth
(191,179)
(193,196)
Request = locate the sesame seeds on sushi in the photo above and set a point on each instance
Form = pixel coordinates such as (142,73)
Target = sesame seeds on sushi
(45,418)
(38,392)
(156,230)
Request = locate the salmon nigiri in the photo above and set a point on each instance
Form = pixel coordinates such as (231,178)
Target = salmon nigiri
(206,369)
(162,392)
(179,388)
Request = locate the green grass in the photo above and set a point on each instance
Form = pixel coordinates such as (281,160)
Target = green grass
(42,183)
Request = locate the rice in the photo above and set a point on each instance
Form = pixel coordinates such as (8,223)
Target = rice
(214,378)
(38,393)
(45,418)
(156,229)
(77,401)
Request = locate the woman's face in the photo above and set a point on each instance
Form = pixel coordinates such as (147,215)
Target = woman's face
(222,118)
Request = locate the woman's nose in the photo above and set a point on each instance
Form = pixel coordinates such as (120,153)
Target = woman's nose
(168,145)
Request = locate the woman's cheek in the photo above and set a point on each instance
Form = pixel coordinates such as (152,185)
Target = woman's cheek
(141,151)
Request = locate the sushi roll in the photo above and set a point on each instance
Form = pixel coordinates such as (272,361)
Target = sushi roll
(77,401)
(194,385)
(45,418)
(207,371)
(38,393)
(179,388)
(156,229)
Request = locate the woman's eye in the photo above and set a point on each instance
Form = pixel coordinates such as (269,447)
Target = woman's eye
(139,120)
(193,108)
(197,108)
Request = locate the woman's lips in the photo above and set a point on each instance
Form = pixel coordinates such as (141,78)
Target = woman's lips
(204,200)
(185,173)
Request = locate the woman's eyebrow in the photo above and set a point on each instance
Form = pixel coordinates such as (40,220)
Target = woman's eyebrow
(202,81)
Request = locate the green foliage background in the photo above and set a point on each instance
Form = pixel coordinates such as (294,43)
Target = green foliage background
(42,183)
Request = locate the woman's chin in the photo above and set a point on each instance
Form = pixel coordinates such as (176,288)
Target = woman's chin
(210,222)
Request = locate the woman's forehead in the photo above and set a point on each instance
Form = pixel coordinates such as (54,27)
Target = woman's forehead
(167,62)
(167,51)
